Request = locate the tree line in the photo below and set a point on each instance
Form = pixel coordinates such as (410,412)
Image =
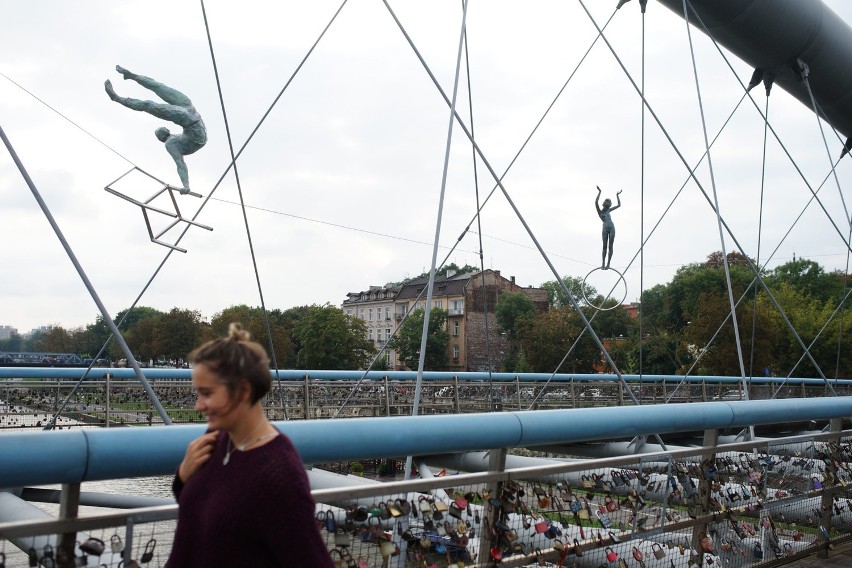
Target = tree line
(685,326)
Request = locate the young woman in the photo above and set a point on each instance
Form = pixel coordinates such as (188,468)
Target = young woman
(242,491)
(608,230)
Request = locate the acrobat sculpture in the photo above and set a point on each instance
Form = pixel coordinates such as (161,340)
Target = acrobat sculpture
(178,109)
(608,230)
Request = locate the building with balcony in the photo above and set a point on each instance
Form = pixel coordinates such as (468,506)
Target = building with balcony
(475,344)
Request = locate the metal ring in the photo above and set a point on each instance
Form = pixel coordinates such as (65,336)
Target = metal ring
(620,277)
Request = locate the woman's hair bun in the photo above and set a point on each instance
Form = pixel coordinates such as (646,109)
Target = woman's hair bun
(237,333)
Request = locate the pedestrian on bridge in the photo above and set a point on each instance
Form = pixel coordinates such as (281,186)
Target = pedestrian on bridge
(243,494)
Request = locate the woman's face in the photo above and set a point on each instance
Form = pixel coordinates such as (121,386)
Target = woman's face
(214,400)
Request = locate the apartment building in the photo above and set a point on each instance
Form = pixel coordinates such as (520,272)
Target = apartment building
(476,343)
(375,307)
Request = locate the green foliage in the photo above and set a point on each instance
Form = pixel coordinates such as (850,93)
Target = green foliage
(556,297)
(689,318)
(54,340)
(808,316)
(441,272)
(253,321)
(176,333)
(808,277)
(330,339)
(408,338)
(511,309)
(546,339)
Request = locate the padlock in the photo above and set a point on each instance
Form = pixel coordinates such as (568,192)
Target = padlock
(32,557)
(115,544)
(611,555)
(148,553)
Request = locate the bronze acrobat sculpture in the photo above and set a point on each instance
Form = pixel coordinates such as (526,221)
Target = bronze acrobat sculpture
(178,109)
(608,230)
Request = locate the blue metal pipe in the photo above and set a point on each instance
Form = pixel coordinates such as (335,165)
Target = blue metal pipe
(299,375)
(35,458)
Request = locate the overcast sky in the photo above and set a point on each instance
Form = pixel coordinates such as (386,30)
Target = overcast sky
(343,178)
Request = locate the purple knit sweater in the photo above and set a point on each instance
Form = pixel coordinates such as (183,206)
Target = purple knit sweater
(255,511)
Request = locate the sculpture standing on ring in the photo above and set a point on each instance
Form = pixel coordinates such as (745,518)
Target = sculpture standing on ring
(178,109)
(608,230)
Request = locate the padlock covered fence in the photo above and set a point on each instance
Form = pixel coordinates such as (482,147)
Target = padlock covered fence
(69,397)
(760,502)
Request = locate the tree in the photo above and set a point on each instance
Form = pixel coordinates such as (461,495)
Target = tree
(54,340)
(610,321)
(442,272)
(177,332)
(510,309)
(408,337)
(808,315)
(136,315)
(253,321)
(809,277)
(141,339)
(720,357)
(714,259)
(14,343)
(546,339)
(332,340)
(556,297)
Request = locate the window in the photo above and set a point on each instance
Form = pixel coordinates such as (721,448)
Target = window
(437,304)
(387,312)
(362,313)
(455,329)
(370,314)
(387,334)
(370,334)
(455,352)
(349,311)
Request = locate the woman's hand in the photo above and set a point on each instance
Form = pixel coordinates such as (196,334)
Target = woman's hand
(619,192)
(599,188)
(197,454)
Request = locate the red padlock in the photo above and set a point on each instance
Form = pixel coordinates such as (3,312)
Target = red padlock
(611,555)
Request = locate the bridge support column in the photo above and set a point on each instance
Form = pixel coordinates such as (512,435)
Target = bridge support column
(69,505)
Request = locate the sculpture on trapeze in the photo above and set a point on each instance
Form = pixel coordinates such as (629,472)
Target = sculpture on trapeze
(177,109)
(608,230)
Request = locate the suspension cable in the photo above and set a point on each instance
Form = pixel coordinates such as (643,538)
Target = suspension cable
(642,207)
(757,258)
(488,359)
(715,200)
(243,208)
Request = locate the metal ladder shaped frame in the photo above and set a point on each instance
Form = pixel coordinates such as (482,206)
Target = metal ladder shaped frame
(145,206)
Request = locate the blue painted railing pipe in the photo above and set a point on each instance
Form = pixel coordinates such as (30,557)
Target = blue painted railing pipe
(299,375)
(35,458)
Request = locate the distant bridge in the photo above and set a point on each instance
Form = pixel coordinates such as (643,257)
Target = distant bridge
(42,359)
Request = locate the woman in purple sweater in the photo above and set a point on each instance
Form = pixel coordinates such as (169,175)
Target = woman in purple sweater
(242,491)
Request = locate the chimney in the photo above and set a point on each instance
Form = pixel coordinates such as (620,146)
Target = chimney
(513,280)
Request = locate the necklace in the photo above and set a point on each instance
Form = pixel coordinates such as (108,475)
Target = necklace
(245,445)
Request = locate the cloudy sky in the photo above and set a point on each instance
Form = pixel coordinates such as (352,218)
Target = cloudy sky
(343,178)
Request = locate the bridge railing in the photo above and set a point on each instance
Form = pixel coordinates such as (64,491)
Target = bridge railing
(746,504)
(30,397)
